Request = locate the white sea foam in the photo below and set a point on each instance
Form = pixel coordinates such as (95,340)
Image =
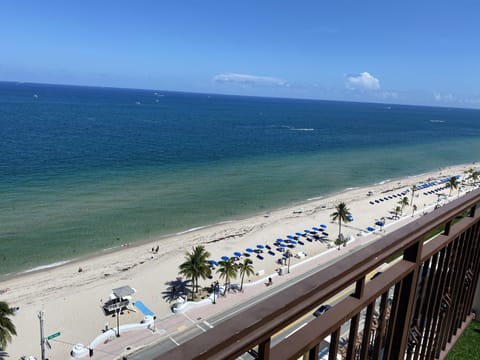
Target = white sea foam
(48,266)
(383,182)
(302,129)
(190,230)
(315,198)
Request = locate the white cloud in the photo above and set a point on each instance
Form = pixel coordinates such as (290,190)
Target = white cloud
(461,100)
(389,95)
(362,81)
(246,79)
(444,97)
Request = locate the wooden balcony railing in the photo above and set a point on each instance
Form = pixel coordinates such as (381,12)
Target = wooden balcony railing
(412,310)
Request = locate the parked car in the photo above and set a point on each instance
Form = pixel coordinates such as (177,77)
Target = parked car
(322,310)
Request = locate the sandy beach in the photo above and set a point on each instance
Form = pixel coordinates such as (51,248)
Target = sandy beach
(71,299)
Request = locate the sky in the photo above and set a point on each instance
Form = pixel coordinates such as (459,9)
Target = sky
(408,52)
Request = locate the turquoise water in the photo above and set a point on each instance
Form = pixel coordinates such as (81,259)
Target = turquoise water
(85,169)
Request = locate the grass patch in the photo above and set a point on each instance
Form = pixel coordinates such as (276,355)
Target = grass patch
(468,346)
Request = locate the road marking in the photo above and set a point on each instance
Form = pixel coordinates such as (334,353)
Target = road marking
(208,324)
(176,343)
(197,325)
(294,331)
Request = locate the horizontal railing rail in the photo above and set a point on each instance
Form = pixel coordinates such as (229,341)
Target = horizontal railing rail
(412,310)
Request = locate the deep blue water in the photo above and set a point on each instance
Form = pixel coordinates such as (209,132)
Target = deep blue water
(84,168)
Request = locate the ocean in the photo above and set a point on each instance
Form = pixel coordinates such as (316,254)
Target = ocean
(84,169)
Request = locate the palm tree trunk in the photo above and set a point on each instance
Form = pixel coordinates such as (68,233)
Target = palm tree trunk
(226,286)
(241,285)
(339,226)
(193,288)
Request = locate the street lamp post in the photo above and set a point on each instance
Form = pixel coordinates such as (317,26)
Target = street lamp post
(215,284)
(289,254)
(118,322)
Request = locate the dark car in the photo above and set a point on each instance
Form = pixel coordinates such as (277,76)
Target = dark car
(321,310)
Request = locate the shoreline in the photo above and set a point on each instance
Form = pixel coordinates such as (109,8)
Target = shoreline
(60,289)
(160,237)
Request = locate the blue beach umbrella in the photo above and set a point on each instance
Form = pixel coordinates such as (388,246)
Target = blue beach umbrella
(213,262)
(237,253)
(260,246)
(299,234)
(323,226)
(293,242)
(279,240)
(249,250)
(379,223)
(283,245)
(290,237)
(316,229)
(307,231)
(225,258)
(370,228)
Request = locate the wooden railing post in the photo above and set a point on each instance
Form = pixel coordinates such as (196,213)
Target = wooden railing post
(404,309)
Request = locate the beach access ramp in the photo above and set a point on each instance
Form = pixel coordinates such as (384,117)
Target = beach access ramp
(144,309)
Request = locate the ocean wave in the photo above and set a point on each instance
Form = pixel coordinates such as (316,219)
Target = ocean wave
(291,128)
(191,230)
(437,121)
(383,182)
(300,129)
(48,266)
(315,198)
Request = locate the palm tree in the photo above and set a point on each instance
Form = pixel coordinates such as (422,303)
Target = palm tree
(342,213)
(474,176)
(227,270)
(413,189)
(195,266)
(7,329)
(403,202)
(396,211)
(452,183)
(245,268)
(414,209)
(338,241)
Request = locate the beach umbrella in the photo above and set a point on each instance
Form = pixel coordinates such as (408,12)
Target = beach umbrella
(237,253)
(225,258)
(379,223)
(299,234)
(290,237)
(283,245)
(370,228)
(316,229)
(279,240)
(293,242)
(249,250)
(213,262)
(307,231)
(323,226)
(260,246)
